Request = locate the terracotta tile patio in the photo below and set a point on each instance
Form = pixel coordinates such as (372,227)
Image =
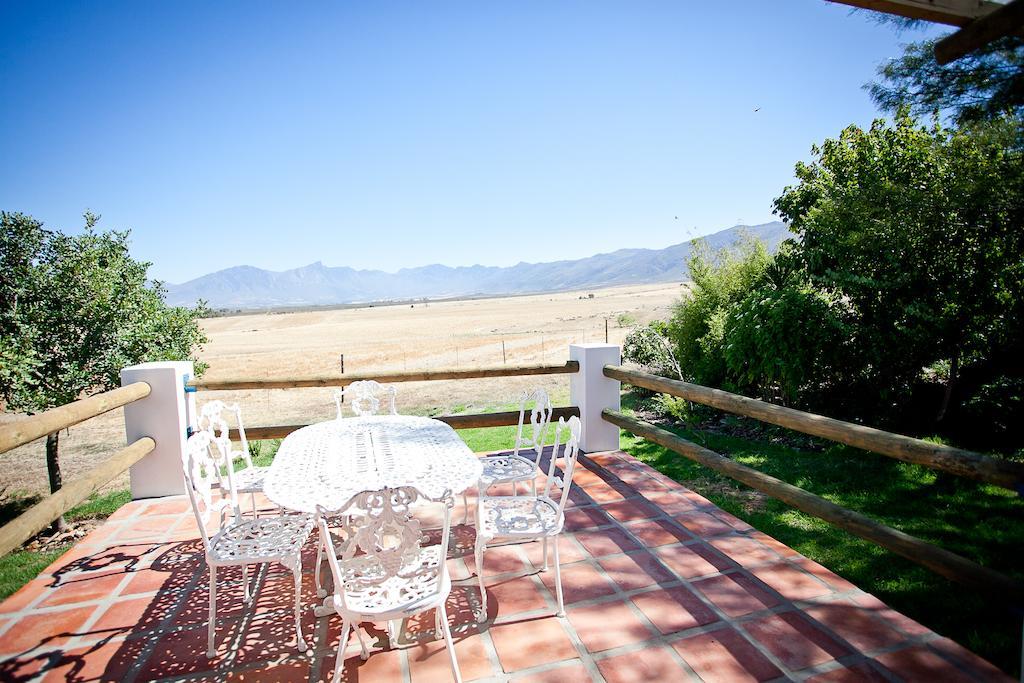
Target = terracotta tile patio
(661,585)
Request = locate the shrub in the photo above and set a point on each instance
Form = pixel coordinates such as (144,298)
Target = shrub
(697,327)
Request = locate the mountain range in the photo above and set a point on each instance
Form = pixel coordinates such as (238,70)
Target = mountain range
(247,287)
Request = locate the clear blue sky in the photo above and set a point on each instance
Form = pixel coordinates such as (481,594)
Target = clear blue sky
(387,134)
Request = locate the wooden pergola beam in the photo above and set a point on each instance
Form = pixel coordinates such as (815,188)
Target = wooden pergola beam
(1005,21)
(952,12)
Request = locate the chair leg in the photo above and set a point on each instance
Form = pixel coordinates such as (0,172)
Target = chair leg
(340,664)
(320,592)
(247,598)
(298,606)
(480,547)
(210,651)
(544,551)
(465,508)
(364,653)
(456,674)
(558,582)
(255,513)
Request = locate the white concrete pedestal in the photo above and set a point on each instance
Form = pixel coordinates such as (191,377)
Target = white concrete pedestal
(164,416)
(593,392)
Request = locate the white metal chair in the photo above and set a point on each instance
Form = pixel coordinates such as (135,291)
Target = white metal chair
(237,541)
(515,468)
(385,571)
(522,518)
(367,396)
(248,479)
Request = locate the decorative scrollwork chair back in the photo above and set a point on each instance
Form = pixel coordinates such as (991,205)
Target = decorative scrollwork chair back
(531,436)
(570,430)
(212,419)
(385,540)
(202,464)
(367,397)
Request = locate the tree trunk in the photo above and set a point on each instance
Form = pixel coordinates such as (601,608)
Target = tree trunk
(53,470)
(947,398)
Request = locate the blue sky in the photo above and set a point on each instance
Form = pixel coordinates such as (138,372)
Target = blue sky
(391,134)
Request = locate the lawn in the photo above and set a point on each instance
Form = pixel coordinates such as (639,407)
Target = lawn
(981,522)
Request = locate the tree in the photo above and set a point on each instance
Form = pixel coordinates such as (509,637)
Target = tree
(983,85)
(82,308)
(22,239)
(918,229)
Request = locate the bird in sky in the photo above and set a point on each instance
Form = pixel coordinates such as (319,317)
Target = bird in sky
(757,110)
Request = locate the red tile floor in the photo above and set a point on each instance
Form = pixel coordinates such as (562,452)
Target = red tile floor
(660,585)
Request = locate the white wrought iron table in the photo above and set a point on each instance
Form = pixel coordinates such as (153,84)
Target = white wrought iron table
(327,463)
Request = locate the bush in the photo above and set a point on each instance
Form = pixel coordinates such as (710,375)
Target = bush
(788,342)
(697,327)
(650,348)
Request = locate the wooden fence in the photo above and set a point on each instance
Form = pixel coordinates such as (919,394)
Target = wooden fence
(963,463)
(45,512)
(39,516)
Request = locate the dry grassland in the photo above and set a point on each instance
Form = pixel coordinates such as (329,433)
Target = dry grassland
(536,328)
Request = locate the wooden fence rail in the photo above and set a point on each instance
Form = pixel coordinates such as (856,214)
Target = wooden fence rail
(939,560)
(471,421)
(956,461)
(31,428)
(412,376)
(39,516)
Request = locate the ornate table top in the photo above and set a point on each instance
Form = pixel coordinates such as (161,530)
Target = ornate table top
(329,462)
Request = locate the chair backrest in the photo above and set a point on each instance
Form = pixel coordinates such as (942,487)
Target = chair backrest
(213,418)
(366,397)
(531,435)
(570,431)
(201,467)
(380,530)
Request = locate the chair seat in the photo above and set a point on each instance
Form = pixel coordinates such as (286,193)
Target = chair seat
(250,480)
(409,592)
(519,516)
(504,469)
(264,539)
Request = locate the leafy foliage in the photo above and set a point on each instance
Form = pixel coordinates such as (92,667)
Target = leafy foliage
(918,231)
(650,348)
(899,301)
(983,85)
(83,308)
(74,310)
(697,325)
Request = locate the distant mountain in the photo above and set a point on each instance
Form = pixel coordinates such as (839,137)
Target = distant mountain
(317,284)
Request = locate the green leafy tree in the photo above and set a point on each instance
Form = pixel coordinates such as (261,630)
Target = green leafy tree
(983,85)
(84,308)
(918,229)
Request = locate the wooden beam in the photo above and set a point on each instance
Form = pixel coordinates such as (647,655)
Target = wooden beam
(1005,21)
(952,12)
(18,433)
(470,421)
(414,376)
(941,561)
(969,464)
(39,516)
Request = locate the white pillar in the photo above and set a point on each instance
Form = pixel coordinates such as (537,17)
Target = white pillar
(164,416)
(593,392)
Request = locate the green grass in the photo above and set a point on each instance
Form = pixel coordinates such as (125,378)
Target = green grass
(20,567)
(981,522)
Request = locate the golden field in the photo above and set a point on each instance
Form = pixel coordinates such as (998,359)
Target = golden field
(464,333)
